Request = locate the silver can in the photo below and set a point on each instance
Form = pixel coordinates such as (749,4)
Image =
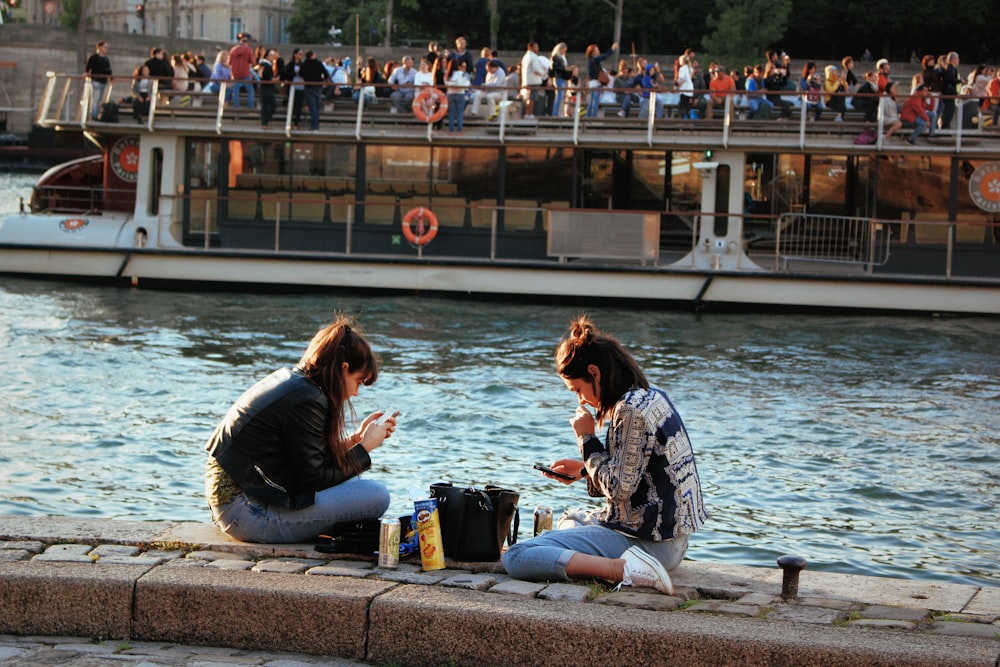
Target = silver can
(543,520)
(388,543)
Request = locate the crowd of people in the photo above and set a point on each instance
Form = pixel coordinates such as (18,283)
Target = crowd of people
(547,83)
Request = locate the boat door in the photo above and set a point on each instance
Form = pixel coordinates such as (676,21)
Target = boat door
(720,242)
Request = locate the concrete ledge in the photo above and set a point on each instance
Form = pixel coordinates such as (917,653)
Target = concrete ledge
(411,624)
(287,612)
(67,598)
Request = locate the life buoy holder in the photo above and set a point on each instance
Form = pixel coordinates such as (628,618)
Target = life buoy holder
(424,234)
(424,104)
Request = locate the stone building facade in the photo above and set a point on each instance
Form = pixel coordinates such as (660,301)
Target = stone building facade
(215,20)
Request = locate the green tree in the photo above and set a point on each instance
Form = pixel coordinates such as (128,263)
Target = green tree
(70,14)
(743,29)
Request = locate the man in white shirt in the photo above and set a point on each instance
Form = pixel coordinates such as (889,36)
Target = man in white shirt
(532,75)
(492,92)
(401,80)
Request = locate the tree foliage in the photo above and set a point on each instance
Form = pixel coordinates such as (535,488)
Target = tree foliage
(745,29)
(738,30)
(70,14)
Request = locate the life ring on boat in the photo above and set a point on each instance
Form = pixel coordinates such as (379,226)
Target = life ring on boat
(421,215)
(424,104)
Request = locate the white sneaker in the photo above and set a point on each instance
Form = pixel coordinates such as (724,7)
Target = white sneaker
(642,569)
(621,114)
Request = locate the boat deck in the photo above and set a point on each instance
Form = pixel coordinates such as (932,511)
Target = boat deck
(342,118)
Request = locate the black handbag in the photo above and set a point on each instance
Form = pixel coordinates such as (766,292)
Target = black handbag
(475,523)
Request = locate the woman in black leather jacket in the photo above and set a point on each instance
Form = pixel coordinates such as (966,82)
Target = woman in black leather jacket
(280,467)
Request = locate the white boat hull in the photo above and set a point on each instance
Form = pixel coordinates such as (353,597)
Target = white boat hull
(699,288)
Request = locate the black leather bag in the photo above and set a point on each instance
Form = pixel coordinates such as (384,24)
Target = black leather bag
(475,523)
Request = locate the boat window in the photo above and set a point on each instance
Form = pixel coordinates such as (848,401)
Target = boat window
(200,204)
(535,179)
(155,181)
(685,181)
(721,222)
(451,179)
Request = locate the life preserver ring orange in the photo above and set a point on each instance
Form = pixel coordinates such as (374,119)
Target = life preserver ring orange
(422,215)
(424,104)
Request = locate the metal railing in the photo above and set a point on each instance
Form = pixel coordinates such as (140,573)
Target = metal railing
(864,242)
(57,104)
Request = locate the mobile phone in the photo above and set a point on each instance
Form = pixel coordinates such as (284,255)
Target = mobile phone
(387,414)
(554,473)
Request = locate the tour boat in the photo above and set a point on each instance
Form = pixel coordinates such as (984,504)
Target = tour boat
(718,213)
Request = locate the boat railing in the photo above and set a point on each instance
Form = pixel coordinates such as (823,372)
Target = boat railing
(76,199)
(363,115)
(864,242)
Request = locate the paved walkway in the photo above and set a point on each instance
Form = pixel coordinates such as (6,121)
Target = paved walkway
(96,592)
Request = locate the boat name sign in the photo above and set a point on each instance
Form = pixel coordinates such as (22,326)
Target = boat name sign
(984,187)
(125,159)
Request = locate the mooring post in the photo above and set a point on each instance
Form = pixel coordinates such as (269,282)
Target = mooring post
(790,566)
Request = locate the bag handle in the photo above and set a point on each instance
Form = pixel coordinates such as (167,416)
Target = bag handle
(512,535)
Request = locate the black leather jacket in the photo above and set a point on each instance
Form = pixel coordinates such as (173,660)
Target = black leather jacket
(273,442)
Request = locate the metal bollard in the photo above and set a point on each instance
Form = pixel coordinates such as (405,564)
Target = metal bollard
(791,566)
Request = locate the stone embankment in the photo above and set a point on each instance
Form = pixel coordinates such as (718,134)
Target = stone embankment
(150,588)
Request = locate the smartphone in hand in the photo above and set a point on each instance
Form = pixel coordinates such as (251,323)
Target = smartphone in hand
(388,414)
(554,473)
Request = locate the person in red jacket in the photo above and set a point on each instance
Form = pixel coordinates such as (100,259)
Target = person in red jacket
(241,61)
(917,111)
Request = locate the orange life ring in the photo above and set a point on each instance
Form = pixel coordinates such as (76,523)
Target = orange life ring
(421,215)
(423,104)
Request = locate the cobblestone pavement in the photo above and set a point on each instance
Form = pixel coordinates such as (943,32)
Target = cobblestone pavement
(691,599)
(79,652)
(893,605)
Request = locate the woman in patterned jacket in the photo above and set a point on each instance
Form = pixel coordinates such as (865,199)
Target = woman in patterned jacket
(645,469)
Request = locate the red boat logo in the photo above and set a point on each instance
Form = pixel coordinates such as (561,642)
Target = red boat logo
(125,159)
(72,225)
(984,187)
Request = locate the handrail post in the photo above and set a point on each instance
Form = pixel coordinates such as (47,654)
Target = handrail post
(43,109)
(85,104)
(208,203)
(650,118)
(154,96)
(726,110)
(220,106)
(493,234)
(361,106)
(804,108)
(288,112)
(277,226)
(949,254)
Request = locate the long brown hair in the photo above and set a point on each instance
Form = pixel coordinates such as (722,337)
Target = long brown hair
(584,345)
(334,345)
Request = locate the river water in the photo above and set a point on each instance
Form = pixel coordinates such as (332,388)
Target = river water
(869,445)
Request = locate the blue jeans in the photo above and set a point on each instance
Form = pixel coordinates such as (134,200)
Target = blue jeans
(593,98)
(95,102)
(246,83)
(557,109)
(456,111)
(249,520)
(644,106)
(544,558)
(311,98)
(919,127)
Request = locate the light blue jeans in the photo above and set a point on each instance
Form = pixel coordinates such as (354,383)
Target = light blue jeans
(245,84)
(249,520)
(544,558)
(560,94)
